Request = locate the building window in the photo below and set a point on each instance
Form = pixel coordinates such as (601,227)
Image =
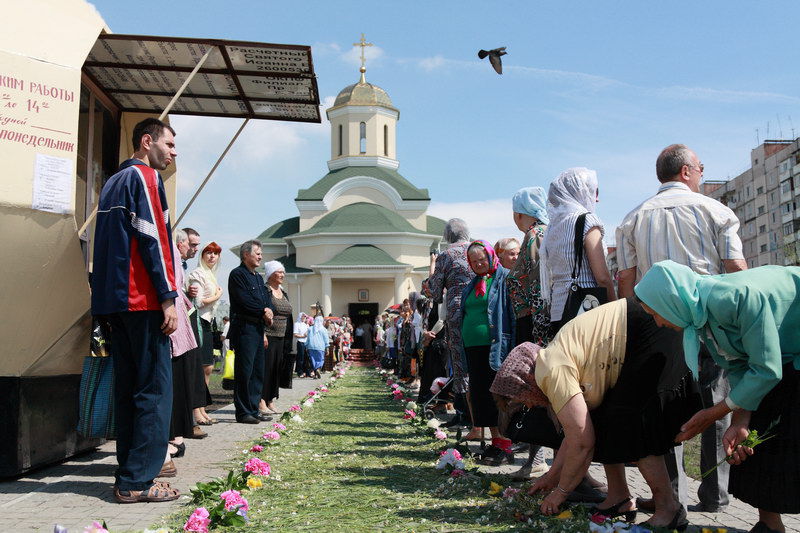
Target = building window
(363,137)
(786,186)
(386,140)
(761,210)
(772,196)
(341,140)
(760,190)
(788,228)
(747,191)
(762,229)
(763,248)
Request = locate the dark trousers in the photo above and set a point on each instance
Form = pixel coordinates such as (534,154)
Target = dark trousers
(142,396)
(273,361)
(248,367)
(301,362)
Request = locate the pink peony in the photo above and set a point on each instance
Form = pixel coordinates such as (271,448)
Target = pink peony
(395,386)
(441,435)
(389,382)
(324,388)
(457,473)
(234,501)
(271,435)
(295,409)
(510,492)
(279,426)
(257,467)
(198,521)
(257,448)
(96,527)
(409,414)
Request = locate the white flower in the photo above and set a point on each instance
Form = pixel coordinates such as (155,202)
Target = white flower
(434,423)
(412,406)
(296,418)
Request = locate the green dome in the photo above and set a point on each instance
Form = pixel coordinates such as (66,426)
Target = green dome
(361,217)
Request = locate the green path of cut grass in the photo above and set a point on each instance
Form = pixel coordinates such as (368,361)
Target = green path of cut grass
(355,465)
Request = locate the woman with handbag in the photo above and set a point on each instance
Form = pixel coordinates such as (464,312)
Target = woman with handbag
(618,390)
(487,334)
(279,336)
(573,260)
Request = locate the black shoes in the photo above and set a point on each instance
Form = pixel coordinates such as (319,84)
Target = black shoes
(614,512)
(706,508)
(680,522)
(494,456)
(264,418)
(761,527)
(248,419)
(181,449)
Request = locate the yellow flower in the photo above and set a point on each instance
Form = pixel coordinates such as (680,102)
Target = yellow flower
(494,488)
(254,482)
(722,530)
(564,515)
(705,530)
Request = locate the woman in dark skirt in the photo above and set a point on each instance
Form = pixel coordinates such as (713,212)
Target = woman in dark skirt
(487,333)
(618,386)
(749,322)
(278,346)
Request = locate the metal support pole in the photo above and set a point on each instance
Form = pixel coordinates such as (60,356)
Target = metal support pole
(211,173)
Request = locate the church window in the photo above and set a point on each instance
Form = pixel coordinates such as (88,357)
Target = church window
(363,137)
(386,140)
(341,141)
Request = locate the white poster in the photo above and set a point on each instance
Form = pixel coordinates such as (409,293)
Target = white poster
(52,184)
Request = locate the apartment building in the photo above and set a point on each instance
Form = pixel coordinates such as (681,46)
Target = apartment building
(765,200)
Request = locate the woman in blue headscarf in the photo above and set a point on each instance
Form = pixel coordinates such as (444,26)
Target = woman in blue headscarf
(317,343)
(749,322)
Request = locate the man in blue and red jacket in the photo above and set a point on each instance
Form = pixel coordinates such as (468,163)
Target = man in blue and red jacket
(133,288)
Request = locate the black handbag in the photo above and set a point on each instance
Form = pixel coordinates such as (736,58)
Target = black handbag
(533,426)
(581,299)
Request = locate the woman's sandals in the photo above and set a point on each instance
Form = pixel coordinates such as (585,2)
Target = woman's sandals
(158,492)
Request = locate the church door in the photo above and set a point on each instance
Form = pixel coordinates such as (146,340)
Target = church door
(360,313)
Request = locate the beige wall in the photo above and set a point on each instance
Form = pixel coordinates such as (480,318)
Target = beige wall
(345,291)
(350,123)
(363,194)
(44,284)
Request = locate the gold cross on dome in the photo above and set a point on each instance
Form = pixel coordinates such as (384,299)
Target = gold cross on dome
(363,44)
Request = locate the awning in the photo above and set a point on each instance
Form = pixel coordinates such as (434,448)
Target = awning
(237,79)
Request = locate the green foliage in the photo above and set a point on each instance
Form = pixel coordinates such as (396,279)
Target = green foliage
(210,490)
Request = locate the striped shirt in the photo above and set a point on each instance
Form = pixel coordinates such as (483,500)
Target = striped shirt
(559,240)
(678,224)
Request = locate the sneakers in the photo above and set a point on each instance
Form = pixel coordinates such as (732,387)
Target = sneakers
(494,456)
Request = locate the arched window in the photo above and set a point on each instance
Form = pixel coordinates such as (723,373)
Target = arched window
(363,137)
(341,142)
(386,140)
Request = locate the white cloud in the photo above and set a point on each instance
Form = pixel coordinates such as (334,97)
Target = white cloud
(723,95)
(325,49)
(432,63)
(373,54)
(487,219)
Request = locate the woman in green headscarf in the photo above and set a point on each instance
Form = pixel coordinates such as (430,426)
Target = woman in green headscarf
(750,323)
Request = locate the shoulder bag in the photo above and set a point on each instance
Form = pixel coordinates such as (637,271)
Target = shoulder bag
(581,299)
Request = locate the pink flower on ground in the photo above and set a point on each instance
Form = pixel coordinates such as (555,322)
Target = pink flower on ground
(323,388)
(96,527)
(312,394)
(456,453)
(198,521)
(271,435)
(395,386)
(257,467)
(295,409)
(409,414)
(279,426)
(234,500)
(441,435)
(457,473)
(257,448)
(510,492)
(389,382)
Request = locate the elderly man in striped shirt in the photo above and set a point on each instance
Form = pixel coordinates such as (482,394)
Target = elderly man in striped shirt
(680,224)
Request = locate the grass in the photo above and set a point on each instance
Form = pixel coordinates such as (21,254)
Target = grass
(355,465)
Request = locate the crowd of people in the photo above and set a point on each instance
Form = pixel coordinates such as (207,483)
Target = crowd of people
(536,339)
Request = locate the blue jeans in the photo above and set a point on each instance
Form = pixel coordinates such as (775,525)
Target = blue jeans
(247,342)
(300,364)
(142,396)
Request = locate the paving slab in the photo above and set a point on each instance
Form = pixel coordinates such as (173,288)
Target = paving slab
(75,492)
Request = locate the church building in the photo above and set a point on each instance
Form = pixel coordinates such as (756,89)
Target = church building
(362,238)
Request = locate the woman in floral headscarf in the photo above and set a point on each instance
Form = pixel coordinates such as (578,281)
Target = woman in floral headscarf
(749,322)
(573,193)
(487,333)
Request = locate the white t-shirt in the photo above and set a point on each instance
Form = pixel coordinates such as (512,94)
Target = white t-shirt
(301,328)
(226,344)
(391,335)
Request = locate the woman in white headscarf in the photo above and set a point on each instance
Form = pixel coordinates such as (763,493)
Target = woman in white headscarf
(318,341)
(279,336)
(573,193)
(206,301)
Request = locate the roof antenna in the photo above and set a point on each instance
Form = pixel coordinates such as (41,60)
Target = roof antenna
(791,125)
(780,128)
(758,142)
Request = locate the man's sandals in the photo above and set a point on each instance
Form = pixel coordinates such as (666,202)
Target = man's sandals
(160,491)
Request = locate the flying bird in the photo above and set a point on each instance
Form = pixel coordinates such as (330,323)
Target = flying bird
(494,57)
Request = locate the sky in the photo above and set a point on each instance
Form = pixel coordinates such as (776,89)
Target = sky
(600,84)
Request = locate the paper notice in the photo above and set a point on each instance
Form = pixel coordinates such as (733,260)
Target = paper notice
(52,184)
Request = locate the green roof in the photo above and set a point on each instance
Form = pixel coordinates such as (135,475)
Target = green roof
(276,232)
(363,255)
(361,217)
(435,225)
(290,264)
(403,187)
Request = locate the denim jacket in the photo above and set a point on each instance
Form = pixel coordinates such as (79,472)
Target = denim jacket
(501,318)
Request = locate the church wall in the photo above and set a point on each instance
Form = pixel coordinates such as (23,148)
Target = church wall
(310,292)
(346,292)
(363,194)
(310,217)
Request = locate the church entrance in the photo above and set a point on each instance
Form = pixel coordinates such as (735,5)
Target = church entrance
(360,313)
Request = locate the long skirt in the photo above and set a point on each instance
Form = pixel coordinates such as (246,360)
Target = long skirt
(207,350)
(653,396)
(200,396)
(317,358)
(182,421)
(770,478)
(481,376)
(273,356)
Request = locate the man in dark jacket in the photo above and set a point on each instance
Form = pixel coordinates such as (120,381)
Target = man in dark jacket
(249,315)
(133,289)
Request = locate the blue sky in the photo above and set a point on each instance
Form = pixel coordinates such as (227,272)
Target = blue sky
(600,84)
